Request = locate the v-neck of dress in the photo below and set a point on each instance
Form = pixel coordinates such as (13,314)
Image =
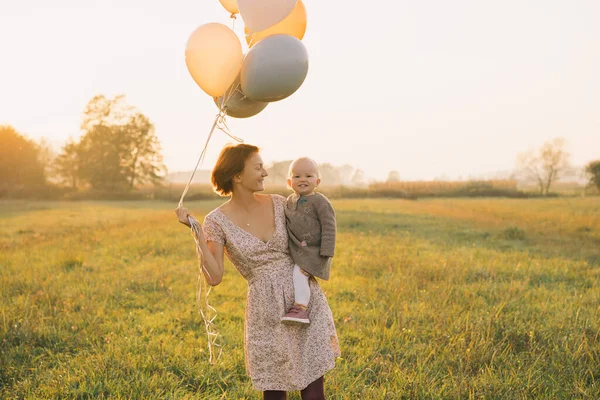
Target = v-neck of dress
(251,234)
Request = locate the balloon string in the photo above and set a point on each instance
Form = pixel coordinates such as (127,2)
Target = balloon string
(228,95)
(233,18)
(222,126)
(219,123)
(208,312)
(251,41)
(204,288)
(202,155)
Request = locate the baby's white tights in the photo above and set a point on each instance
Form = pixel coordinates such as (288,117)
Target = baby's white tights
(301,287)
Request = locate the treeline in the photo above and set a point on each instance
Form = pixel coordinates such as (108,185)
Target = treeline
(117,153)
(119,157)
(547,165)
(395,190)
(331,175)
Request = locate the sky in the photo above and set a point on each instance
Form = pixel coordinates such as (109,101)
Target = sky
(431,89)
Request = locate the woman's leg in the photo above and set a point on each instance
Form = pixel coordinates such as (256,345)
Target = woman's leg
(314,391)
(274,395)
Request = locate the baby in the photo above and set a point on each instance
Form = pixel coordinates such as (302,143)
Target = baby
(311,230)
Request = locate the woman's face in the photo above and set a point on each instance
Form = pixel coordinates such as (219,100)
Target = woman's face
(254,173)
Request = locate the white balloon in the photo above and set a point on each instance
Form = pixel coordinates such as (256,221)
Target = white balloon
(259,15)
(274,68)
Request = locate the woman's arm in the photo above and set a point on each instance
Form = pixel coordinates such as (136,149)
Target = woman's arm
(212,258)
(211,253)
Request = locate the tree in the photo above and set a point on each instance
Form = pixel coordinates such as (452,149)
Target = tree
(66,164)
(144,163)
(393,176)
(345,172)
(358,179)
(592,170)
(19,163)
(545,165)
(329,174)
(46,156)
(278,172)
(101,151)
(119,148)
(101,110)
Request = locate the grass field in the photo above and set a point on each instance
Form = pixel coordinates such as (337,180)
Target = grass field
(448,299)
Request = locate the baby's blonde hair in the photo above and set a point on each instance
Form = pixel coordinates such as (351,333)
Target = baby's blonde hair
(304,159)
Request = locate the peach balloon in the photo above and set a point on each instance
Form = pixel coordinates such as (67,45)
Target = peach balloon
(293,25)
(213,56)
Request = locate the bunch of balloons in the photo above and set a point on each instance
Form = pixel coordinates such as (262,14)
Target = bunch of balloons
(274,67)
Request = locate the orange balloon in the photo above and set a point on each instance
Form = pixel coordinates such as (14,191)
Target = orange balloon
(293,25)
(213,56)
(230,5)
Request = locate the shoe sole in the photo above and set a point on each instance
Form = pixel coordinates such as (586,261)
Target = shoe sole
(296,320)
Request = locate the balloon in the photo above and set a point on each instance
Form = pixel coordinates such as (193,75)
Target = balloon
(294,25)
(230,5)
(214,57)
(237,105)
(259,15)
(274,68)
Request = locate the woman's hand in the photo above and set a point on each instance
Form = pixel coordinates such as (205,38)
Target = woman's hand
(211,253)
(183,215)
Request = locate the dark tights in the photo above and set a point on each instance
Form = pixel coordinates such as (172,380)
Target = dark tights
(314,391)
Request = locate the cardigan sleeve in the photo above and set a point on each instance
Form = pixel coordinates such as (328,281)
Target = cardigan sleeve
(326,216)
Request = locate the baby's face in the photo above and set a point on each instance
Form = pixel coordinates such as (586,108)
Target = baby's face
(304,177)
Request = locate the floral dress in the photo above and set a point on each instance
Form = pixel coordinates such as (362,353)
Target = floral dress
(279,356)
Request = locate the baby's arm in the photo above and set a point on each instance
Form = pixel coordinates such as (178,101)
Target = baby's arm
(328,230)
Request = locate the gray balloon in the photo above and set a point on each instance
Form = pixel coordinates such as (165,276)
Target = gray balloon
(274,68)
(237,104)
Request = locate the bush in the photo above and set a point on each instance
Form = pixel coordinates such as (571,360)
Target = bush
(104,195)
(412,190)
(592,170)
(485,189)
(514,233)
(33,192)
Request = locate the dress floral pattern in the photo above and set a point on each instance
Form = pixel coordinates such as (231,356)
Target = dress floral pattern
(278,356)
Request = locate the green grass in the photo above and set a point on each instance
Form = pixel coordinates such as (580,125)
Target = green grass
(480,298)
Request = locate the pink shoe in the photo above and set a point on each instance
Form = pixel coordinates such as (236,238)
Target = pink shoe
(297,314)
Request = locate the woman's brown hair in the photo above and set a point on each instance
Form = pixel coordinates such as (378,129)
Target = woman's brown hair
(230,163)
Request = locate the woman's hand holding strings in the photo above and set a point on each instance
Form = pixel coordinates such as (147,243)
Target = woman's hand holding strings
(183,215)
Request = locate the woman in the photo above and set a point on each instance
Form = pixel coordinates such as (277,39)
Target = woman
(250,228)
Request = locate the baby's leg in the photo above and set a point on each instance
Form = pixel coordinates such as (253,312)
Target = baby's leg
(299,311)
(301,286)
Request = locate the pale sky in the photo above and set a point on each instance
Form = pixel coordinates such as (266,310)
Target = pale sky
(427,88)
